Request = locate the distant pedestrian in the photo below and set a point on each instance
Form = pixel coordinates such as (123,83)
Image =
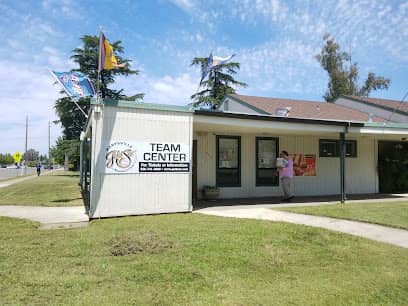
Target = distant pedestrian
(38,169)
(286,175)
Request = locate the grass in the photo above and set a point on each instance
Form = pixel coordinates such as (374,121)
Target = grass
(393,214)
(57,189)
(4,179)
(192,259)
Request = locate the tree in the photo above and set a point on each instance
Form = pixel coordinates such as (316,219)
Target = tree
(71,118)
(343,73)
(87,59)
(31,155)
(219,83)
(69,147)
(6,159)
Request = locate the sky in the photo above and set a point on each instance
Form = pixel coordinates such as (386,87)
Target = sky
(275,42)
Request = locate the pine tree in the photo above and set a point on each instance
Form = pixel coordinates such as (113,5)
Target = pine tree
(219,83)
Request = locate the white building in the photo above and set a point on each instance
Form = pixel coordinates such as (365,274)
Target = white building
(149,158)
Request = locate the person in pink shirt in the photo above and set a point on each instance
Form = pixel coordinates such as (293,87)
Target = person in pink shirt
(286,175)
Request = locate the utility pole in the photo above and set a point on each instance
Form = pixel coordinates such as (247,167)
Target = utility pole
(25,149)
(49,146)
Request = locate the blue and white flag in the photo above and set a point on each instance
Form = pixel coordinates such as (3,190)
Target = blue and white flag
(75,84)
(213,62)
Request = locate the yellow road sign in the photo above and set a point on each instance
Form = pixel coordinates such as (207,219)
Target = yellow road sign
(17,157)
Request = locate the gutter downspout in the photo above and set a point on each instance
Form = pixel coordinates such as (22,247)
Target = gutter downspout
(343,163)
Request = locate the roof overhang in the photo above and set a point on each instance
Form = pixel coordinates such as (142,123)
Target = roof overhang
(220,122)
(224,122)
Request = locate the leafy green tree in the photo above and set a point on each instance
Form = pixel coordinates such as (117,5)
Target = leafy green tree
(343,73)
(6,159)
(219,83)
(87,59)
(68,147)
(71,118)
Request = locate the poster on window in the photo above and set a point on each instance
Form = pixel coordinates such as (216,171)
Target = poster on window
(304,164)
(228,153)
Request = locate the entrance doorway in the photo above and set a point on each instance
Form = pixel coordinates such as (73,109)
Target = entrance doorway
(393,166)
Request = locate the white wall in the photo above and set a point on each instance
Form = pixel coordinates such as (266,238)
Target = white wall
(139,193)
(361,173)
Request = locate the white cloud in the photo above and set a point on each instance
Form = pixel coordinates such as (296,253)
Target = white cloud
(26,91)
(62,8)
(186,5)
(174,90)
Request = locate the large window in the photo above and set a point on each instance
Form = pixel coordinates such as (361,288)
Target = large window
(266,153)
(228,161)
(331,148)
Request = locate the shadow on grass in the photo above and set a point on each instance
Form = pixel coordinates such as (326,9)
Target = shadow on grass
(66,200)
(66,175)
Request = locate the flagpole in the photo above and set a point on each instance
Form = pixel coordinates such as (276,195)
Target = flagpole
(99,66)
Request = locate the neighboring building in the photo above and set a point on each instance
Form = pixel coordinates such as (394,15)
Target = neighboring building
(149,158)
(388,110)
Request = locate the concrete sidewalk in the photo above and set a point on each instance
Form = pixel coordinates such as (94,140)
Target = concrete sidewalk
(398,237)
(49,217)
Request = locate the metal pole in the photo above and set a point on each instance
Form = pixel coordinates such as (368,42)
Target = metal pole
(49,145)
(342,167)
(26,136)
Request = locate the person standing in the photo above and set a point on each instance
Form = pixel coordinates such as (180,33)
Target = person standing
(286,176)
(38,166)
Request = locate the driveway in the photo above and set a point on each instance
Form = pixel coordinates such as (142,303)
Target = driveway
(398,237)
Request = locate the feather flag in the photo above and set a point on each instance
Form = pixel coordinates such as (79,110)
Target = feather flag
(107,59)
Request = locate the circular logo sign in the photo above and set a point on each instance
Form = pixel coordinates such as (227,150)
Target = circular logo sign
(120,157)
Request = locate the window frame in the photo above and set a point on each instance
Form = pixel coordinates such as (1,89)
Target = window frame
(352,154)
(275,182)
(217,167)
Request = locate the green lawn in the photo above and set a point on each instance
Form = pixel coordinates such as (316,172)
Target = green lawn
(192,259)
(393,214)
(14,177)
(56,189)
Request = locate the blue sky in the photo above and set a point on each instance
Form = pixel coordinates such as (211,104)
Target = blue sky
(275,42)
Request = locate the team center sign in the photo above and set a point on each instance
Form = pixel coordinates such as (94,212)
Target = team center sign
(146,157)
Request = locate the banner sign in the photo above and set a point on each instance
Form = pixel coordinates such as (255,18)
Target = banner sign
(75,84)
(304,164)
(146,157)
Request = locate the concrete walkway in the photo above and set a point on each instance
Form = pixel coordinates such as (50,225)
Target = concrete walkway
(380,233)
(49,217)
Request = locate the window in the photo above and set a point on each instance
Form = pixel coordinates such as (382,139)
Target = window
(351,148)
(328,148)
(228,161)
(266,154)
(331,148)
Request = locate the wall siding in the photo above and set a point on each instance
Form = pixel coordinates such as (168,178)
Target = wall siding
(361,174)
(144,193)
